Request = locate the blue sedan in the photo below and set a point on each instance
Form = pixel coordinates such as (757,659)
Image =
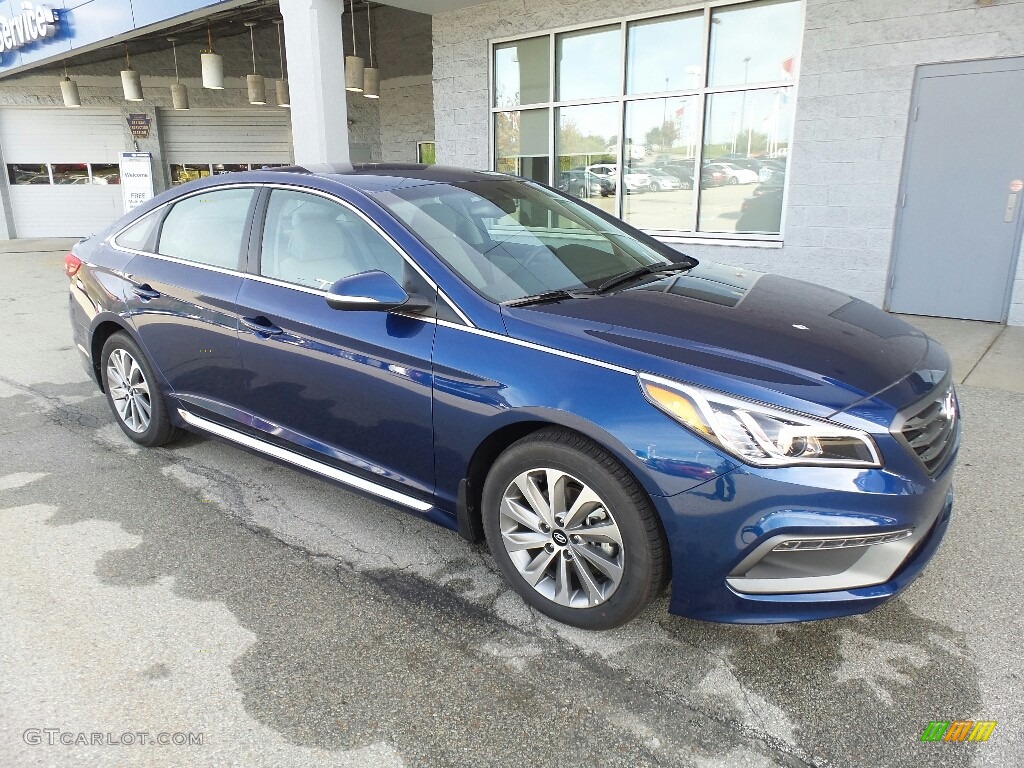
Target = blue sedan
(609,415)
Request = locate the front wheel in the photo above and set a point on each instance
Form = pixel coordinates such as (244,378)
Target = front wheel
(733,180)
(572,531)
(133,393)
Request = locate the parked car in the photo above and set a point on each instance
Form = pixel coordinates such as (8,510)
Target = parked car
(734,174)
(582,183)
(661,181)
(632,181)
(684,172)
(608,414)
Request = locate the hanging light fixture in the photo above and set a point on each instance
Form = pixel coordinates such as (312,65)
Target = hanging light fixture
(257,85)
(131,83)
(354,65)
(371,75)
(179,93)
(69,90)
(213,66)
(284,97)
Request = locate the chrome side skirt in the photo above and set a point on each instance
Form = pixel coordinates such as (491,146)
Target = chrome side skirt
(298,460)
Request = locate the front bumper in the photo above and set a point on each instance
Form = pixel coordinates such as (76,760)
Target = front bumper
(720,532)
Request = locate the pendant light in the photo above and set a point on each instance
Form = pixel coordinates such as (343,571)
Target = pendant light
(284,97)
(354,65)
(257,85)
(179,93)
(69,90)
(131,83)
(371,75)
(213,66)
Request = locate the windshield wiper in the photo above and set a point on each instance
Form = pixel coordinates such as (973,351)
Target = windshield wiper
(634,274)
(540,298)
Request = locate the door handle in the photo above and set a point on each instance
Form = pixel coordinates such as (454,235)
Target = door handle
(145,292)
(261,326)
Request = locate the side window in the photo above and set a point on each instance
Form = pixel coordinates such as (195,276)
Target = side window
(139,236)
(315,242)
(207,228)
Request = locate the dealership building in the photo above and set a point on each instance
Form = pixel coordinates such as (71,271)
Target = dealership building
(869,145)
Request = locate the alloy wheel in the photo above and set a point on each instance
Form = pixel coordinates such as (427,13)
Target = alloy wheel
(562,538)
(129,391)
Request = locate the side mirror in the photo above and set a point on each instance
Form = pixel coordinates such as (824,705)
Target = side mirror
(373,291)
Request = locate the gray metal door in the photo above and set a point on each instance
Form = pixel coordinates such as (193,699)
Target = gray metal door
(958,228)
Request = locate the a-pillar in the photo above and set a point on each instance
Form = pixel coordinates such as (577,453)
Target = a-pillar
(316,79)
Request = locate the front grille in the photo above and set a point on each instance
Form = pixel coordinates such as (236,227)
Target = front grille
(929,428)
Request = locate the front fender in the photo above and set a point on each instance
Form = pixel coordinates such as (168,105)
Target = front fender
(483,384)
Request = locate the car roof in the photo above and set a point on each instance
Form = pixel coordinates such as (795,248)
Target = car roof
(375,177)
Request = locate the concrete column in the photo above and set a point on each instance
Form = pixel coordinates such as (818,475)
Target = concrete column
(316,77)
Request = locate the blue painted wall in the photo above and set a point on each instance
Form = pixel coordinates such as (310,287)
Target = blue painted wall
(84,22)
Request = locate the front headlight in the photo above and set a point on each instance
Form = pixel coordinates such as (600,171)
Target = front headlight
(759,434)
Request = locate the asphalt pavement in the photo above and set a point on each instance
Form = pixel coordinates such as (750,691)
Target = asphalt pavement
(251,615)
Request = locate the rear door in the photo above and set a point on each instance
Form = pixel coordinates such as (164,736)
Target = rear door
(182,299)
(351,387)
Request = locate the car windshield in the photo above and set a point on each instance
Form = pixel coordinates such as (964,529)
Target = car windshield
(511,239)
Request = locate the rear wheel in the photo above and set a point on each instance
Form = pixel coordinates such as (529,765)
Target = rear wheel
(733,180)
(572,531)
(133,394)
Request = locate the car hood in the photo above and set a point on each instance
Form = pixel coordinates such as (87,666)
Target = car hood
(743,332)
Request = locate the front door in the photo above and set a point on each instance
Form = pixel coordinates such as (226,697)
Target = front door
(959,225)
(352,387)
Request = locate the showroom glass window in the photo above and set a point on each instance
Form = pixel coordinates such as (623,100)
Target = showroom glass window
(676,122)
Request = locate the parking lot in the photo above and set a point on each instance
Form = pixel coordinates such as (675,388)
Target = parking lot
(202,590)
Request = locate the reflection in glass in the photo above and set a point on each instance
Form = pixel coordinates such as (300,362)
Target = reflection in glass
(70,173)
(28,173)
(106,173)
(746,141)
(589,63)
(661,140)
(521,144)
(222,168)
(755,43)
(185,172)
(585,140)
(665,54)
(521,72)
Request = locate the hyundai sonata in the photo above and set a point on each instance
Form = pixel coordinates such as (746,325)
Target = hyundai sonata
(610,415)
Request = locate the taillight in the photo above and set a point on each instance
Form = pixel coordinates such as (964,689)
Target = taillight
(71,265)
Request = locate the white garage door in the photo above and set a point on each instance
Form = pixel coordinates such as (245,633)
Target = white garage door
(62,168)
(226,136)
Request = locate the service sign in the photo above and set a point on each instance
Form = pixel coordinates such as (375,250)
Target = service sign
(136,179)
(34,23)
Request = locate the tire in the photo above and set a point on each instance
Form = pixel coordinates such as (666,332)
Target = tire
(654,187)
(131,387)
(733,180)
(686,184)
(597,570)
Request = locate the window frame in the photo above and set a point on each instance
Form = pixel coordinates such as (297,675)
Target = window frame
(701,94)
(252,242)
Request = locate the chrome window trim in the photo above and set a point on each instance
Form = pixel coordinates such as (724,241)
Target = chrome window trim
(304,462)
(469,327)
(111,241)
